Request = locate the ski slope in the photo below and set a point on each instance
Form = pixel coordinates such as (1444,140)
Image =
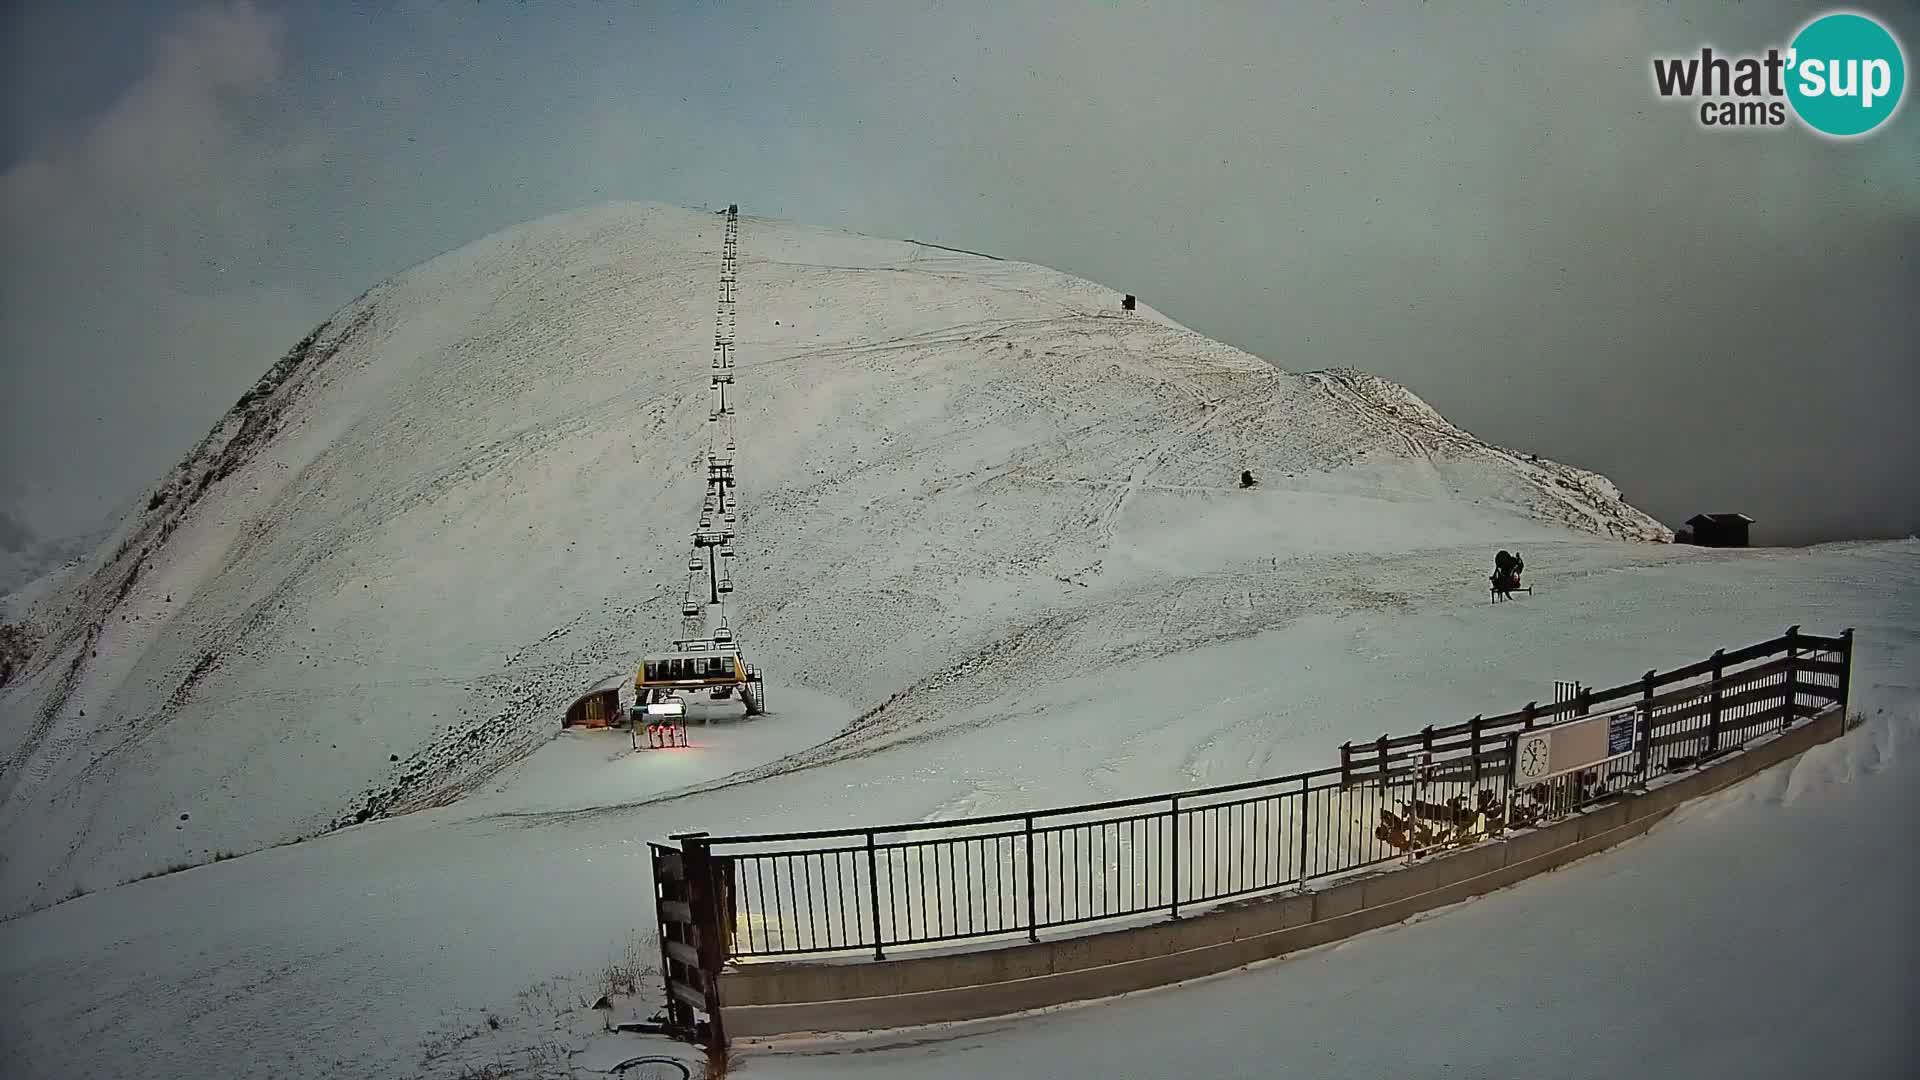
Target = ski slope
(381,951)
(992,554)
(466,498)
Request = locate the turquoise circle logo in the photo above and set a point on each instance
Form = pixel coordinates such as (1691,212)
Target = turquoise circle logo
(1847,74)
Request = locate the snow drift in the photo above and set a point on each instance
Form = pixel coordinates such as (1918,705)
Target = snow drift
(464,497)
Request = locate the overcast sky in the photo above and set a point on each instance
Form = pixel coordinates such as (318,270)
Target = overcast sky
(1482,201)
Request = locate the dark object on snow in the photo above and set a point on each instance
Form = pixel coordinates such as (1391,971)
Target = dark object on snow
(1126,302)
(1506,576)
(1246,479)
(1719,530)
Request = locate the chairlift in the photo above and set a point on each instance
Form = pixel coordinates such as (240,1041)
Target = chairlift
(694,565)
(689,608)
(722,635)
(726,585)
(726,551)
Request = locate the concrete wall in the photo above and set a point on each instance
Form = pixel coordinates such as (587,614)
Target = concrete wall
(773,998)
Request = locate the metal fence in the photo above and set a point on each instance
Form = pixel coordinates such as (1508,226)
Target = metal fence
(1015,875)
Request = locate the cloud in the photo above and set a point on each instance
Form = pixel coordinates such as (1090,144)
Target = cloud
(132,266)
(174,114)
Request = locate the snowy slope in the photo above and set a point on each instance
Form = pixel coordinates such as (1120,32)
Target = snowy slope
(381,951)
(465,498)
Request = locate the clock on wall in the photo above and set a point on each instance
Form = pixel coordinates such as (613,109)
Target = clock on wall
(1533,757)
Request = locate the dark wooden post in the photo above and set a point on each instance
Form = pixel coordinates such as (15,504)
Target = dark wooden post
(1383,761)
(1033,918)
(1793,675)
(1474,727)
(873,887)
(703,898)
(1713,722)
(1346,765)
(1846,672)
(1526,715)
(1646,724)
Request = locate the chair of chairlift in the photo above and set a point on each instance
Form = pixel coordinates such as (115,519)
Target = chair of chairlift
(726,551)
(694,564)
(689,608)
(726,585)
(722,635)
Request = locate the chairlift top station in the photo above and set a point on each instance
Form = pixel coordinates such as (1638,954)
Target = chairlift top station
(709,658)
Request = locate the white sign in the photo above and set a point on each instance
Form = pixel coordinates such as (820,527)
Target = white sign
(1547,752)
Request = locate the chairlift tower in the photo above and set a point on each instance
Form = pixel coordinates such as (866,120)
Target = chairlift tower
(705,630)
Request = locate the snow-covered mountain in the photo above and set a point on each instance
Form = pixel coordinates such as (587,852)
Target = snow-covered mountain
(466,497)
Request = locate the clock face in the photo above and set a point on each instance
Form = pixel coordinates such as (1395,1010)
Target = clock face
(1533,757)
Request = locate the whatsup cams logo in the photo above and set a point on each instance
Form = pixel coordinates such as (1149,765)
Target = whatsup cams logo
(1843,75)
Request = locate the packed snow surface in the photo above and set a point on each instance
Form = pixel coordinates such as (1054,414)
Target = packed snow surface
(993,555)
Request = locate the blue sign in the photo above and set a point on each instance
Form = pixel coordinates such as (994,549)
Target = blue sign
(1620,732)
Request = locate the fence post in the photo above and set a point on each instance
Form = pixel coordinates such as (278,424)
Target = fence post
(1033,922)
(1475,728)
(702,890)
(1713,722)
(1793,674)
(1346,765)
(1173,822)
(1304,795)
(873,886)
(1383,760)
(1526,716)
(1646,724)
(1846,672)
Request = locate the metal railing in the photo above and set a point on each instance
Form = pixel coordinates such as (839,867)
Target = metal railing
(1015,875)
